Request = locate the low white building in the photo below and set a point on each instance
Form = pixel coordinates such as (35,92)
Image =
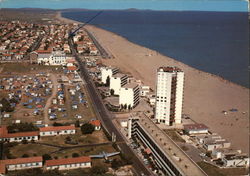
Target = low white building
(235,161)
(68,163)
(211,142)
(20,163)
(195,129)
(96,123)
(17,137)
(129,95)
(57,130)
(107,72)
(144,90)
(117,81)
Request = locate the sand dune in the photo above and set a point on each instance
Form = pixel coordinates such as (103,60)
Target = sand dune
(205,95)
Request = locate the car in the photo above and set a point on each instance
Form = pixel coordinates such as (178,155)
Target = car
(202,154)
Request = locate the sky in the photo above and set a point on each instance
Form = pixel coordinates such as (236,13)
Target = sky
(180,5)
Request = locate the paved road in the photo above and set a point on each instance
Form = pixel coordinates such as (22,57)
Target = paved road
(102,51)
(104,116)
(48,103)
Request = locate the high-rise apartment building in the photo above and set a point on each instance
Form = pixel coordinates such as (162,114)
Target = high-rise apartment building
(169,95)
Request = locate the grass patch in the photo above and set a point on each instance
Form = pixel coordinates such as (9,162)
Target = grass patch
(30,149)
(172,133)
(94,138)
(213,170)
(86,151)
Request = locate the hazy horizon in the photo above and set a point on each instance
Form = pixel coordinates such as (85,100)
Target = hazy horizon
(170,5)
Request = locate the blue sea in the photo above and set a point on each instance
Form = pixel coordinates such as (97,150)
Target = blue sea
(215,42)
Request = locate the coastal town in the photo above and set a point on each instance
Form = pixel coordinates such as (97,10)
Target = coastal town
(66,109)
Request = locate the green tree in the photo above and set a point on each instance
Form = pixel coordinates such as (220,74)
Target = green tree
(125,106)
(6,107)
(112,92)
(74,155)
(99,170)
(46,157)
(87,128)
(107,82)
(129,107)
(21,127)
(115,164)
(25,155)
(77,123)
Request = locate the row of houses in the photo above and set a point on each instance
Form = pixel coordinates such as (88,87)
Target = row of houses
(84,43)
(18,38)
(37,162)
(43,131)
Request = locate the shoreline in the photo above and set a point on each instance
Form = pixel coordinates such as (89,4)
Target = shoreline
(67,20)
(205,95)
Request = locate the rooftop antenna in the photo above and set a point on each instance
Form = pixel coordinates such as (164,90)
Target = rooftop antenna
(73,33)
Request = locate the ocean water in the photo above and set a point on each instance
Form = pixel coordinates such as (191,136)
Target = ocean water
(215,42)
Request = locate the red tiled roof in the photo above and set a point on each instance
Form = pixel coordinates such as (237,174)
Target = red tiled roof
(57,128)
(22,134)
(4,133)
(22,160)
(43,51)
(2,168)
(6,54)
(95,122)
(82,159)
(71,68)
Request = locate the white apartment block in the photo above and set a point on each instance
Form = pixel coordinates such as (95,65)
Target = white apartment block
(129,95)
(117,81)
(169,95)
(107,72)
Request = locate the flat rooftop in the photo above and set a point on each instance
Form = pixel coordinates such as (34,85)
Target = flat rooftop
(130,85)
(119,75)
(169,69)
(178,157)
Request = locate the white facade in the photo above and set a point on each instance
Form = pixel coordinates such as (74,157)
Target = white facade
(20,139)
(129,95)
(144,91)
(20,166)
(69,166)
(55,58)
(107,72)
(117,81)
(55,132)
(236,161)
(169,95)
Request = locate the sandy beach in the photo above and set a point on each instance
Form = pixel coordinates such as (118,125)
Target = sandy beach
(205,95)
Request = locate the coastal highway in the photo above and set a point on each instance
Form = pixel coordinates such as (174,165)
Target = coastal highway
(105,116)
